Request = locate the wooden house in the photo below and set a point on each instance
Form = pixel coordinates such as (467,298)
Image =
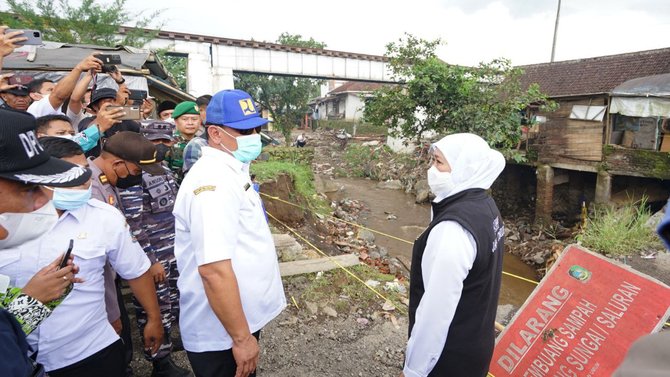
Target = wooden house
(588,146)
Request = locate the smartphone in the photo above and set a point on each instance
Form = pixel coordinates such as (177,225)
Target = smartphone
(109,58)
(34,36)
(66,257)
(137,95)
(109,68)
(132,112)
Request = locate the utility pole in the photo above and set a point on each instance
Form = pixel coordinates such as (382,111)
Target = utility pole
(553,45)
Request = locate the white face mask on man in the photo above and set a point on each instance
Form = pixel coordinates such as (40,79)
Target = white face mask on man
(441,183)
(23,227)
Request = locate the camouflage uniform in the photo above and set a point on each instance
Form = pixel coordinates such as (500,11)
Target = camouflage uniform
(176,160)
(148,210)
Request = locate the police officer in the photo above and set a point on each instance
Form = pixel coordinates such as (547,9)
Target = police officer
(119,167)
(148,210)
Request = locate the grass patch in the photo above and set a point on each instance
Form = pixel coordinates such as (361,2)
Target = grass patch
(362,129)
(294,155)
(620,231)
(345,292)
(374,161)
(303,178)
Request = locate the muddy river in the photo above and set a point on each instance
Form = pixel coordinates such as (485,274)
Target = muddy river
(410,220)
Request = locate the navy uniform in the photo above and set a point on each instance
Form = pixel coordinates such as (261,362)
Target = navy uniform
(155,234)
(148,211)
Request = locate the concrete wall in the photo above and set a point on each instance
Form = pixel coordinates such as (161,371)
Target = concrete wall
(354,107)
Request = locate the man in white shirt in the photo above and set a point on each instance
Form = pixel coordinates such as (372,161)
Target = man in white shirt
(77,339)
(24,216)
(49,97)
(229,276)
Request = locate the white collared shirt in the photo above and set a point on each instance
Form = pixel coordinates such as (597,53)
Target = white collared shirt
(78,327)
(219,217)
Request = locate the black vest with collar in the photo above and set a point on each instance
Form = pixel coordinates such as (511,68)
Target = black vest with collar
(469,345)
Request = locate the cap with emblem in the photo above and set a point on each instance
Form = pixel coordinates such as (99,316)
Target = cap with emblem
(102,93)
(18,90)
(187,107)
(235,109)
(23,159)
(135,148)
(158,130)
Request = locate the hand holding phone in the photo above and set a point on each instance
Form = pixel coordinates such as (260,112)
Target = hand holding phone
(132,112)
(66,256)
(108,59)
(32,37)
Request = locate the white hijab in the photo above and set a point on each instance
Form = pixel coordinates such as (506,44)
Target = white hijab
(473,163)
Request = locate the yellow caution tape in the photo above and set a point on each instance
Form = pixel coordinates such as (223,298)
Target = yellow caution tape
(400,310)
(375,231)
(338,219)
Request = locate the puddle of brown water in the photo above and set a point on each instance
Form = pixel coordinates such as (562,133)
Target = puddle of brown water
(411,219)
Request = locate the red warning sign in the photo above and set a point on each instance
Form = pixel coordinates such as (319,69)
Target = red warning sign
(581,319)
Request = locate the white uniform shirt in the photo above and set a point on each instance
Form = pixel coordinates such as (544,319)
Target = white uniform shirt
(449,255)
(219,217)
(43,107)
(78,327)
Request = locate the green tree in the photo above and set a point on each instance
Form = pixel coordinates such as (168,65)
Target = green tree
(88,22)
(486,100)
(285,98)
(176,65)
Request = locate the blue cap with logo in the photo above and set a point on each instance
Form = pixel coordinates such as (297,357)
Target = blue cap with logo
(234,108)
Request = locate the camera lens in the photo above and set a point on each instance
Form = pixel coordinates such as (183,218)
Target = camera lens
(36,34)
(163,202)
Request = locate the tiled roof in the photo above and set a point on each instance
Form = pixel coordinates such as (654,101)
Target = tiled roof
(356,86)
(595,75)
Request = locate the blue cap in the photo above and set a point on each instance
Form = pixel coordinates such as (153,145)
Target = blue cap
(235,109)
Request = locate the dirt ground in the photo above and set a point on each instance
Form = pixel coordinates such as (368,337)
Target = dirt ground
(324,338)
(358,342)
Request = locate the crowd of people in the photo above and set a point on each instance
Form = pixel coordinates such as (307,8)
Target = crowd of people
(92,199)
(166,204)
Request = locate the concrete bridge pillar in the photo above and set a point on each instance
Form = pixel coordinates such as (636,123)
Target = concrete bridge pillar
(603,188)
(545,194)
(222,78)
(199,74)
(205,79)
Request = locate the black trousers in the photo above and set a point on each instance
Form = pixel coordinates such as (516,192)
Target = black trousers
(215,363)
(125,322)
(108,362)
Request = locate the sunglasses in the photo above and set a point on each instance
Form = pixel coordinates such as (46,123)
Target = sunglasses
(249,131)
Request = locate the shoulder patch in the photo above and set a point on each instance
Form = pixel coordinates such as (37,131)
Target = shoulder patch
(204,188)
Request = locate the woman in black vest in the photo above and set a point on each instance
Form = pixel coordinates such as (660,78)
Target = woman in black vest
(457,264)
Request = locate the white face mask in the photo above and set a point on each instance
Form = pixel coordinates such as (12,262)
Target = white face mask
(441,183)
(23,227)
(66,136)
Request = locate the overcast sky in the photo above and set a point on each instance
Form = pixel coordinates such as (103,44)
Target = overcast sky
(473,30)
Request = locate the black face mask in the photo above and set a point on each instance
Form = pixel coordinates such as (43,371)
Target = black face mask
(129,181)
(163,152)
